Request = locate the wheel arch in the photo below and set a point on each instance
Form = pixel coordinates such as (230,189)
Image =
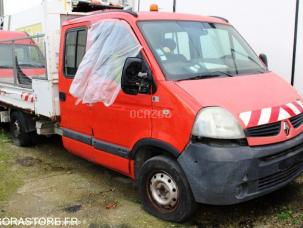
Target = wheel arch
(156,143)
(27,119)
(147,148)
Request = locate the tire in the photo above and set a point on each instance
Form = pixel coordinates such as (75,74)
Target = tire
(164,190)
(17,130)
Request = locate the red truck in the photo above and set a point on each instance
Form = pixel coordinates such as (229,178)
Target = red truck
(199,117)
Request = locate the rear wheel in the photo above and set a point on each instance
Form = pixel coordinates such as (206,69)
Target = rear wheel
(164,190)
(18,130)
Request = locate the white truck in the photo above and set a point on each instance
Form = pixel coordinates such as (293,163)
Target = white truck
(42,25)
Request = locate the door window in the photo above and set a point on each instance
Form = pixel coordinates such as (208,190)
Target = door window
(6,61)
(75,47)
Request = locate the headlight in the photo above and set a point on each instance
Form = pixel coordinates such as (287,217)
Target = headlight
(218,123)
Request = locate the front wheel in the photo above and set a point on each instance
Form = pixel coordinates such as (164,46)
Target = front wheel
(164,190)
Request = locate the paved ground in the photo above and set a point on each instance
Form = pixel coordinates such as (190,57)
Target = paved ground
(47,181)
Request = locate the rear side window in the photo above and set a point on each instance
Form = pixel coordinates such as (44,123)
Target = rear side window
(6,61)
(75,46)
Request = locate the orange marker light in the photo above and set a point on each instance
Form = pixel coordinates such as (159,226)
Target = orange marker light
(154,8)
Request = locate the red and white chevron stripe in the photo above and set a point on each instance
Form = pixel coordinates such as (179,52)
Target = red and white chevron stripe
(271,115)
(28,97)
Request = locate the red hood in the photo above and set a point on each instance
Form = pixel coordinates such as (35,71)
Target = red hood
(255,100)
(241,94)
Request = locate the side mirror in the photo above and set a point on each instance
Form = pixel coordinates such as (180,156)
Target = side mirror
(135,77)
(263,58)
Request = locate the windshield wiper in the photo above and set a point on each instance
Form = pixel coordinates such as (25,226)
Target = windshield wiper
(5,67)
(247,56)
(208,75)
(31,65)
(220,73)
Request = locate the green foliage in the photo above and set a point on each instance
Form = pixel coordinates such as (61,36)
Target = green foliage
(287,215)
(3,137)
(8,180)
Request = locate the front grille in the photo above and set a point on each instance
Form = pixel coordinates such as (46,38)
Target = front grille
(264,130)
(297,120)
(280,177)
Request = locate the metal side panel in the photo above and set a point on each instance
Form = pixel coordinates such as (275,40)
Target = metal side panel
(46,98)
(17,97)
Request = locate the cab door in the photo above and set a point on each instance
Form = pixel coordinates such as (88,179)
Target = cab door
(118,127)
(76,120)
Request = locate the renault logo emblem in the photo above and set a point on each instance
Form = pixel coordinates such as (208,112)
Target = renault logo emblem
(286,128)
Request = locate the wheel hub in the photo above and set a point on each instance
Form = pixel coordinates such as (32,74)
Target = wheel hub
(164,190)
(16,129)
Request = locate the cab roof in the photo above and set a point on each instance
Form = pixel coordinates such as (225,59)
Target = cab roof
(176,16)
(9,35)
(6,37)
(142,16)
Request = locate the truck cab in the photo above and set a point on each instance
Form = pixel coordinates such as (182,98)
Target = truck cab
(197,117)
(22,58)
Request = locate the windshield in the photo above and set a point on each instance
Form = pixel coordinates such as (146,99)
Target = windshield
(27,56)
(188,50)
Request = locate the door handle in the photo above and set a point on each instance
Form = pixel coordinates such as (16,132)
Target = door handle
(62,96)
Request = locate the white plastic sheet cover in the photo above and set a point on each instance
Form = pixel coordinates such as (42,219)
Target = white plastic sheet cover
(98,78)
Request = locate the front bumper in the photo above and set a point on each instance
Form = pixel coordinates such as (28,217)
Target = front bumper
(231,174)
